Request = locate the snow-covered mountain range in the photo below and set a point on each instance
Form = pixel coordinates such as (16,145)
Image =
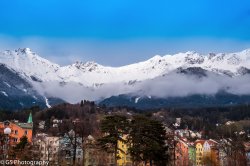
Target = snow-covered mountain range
(30,64)
(181,74)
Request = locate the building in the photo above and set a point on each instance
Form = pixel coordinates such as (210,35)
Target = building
(18,130)
(41,125)
(67,144)
(181,152)
(215,156)
(177,122)
(214,152)
(48,147)
(56,122)
(207,152)
(247,151)
(125,158)
(96,156)
(59,150)
(191,154)
(199,152)
(224,150)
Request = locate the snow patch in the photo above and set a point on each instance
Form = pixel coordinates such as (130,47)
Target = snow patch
(137,99)
(47,102)
(6,83)
(4,93)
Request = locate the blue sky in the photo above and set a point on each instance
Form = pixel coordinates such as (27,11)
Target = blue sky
(119,32)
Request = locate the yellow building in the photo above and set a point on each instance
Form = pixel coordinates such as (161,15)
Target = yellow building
(125,158)
(199,152)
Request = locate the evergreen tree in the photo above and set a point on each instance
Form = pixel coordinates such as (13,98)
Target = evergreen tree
(23,142)
(24,150)
(147,139)
(113,127)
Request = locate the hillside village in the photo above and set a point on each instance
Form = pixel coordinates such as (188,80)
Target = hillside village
(72,135)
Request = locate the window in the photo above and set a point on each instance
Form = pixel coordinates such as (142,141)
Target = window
(15,139)
(16,132)
(25,132)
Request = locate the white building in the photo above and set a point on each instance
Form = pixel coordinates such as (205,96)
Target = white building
(48,147)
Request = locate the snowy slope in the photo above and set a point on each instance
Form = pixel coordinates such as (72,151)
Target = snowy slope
(29,64)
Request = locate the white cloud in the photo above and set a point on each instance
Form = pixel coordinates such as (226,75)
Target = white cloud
(172,85)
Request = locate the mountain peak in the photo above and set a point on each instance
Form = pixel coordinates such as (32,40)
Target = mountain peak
(156,57)
(24,50)
(89,65)
(85,64)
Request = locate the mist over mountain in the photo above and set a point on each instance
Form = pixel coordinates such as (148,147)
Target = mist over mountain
(161,77)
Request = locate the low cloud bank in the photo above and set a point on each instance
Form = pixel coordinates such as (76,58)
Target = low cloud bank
(172,85)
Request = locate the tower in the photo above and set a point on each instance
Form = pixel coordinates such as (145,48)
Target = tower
(30,118)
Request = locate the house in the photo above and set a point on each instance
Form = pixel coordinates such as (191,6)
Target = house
(18,130)
(56,122)
(191,154)
(59,150)
(48,147)
(41,125)
(199,152)
(224,147)
(67,143)
(93,155)
(215,155)
(247,151)
(207,152)
(125,158)
(182,133)
(181,152)
(177,122)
